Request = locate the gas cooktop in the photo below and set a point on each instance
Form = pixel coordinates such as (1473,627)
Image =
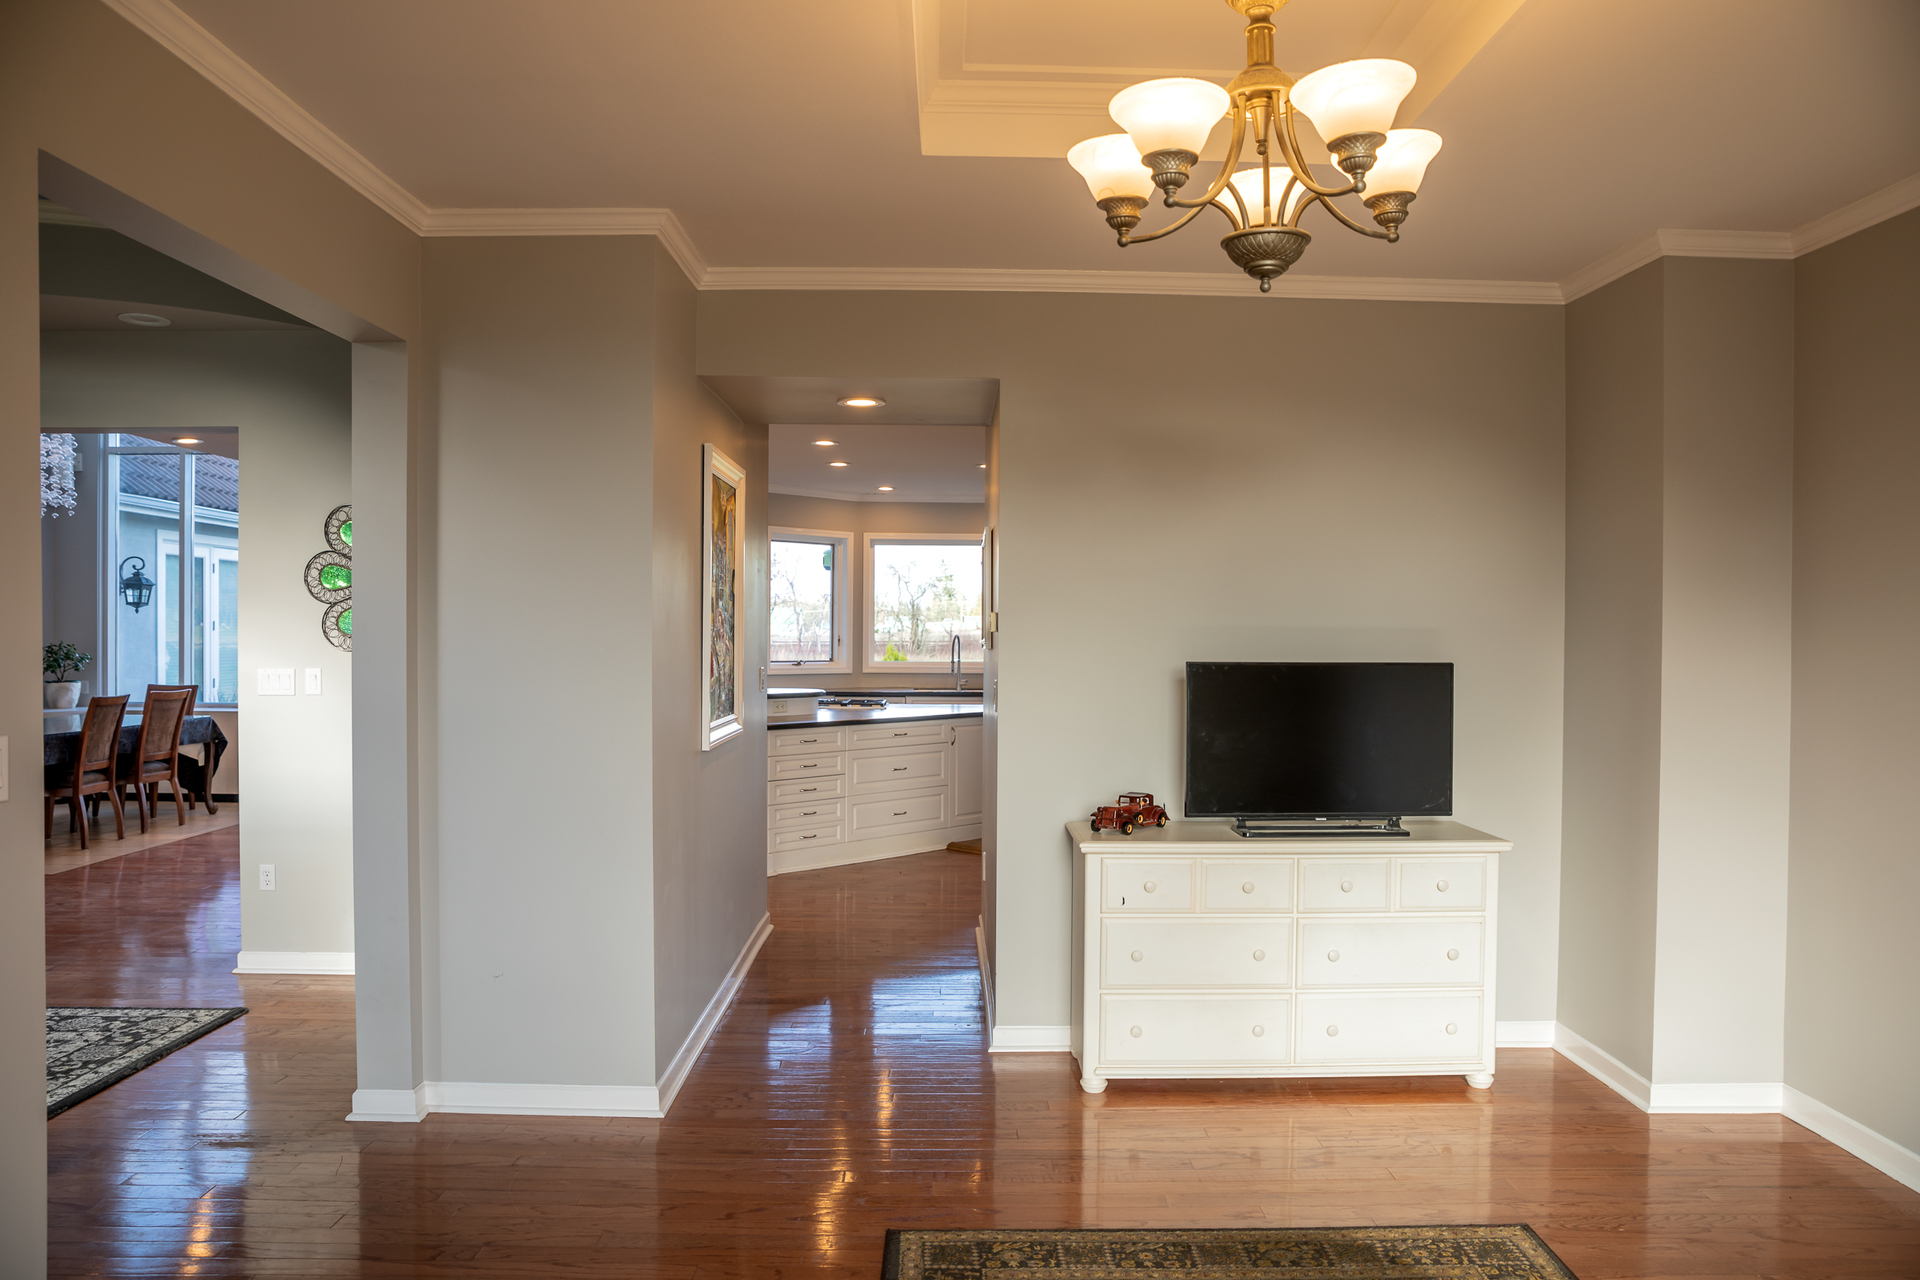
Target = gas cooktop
(853,702)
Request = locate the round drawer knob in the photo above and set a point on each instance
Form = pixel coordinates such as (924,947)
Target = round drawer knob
(1259,955)
(1247,887)
(1134,1032)
(1453,1028)
(1136,955)
(1149,886)
(1333,1031)
(1333,955)
(1441,886)
(1259,1031)
(1453,953)
(1346,886)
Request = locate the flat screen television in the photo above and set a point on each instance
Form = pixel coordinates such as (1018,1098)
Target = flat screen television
(1313,741)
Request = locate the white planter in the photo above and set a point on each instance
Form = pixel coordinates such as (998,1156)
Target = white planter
(61,693)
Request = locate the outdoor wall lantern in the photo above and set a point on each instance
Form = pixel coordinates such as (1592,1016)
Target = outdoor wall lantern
(136,588)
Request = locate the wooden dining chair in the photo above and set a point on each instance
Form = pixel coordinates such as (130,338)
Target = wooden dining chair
(194,691)
(94,768)
(156,752)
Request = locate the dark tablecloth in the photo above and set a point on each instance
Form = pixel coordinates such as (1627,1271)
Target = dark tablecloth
(195,731)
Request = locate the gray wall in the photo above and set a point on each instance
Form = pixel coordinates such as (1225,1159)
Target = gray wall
(1853,1023)
(1412,512)
(797,512)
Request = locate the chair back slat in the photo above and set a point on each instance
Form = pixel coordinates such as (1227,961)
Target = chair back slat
(192,689)
(160,724)
(100,734)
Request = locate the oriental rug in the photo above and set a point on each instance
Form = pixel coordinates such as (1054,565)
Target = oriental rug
(89,1049)
(1511,1252)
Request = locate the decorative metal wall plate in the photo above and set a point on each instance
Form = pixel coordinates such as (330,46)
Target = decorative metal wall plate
(340,529)
(337,625)
(330,578)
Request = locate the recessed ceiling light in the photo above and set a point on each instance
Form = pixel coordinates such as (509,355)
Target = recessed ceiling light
(862,402)
(826,442)
(836,464)
(886,488)
(186,439)
(144,320)
(983,466)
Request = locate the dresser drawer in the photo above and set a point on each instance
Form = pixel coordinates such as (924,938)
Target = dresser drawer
(794,839)
(1132,884)
(880,735)
(1435,885)
(1195,953)
(806,788)
(1194,1030)
(806,813)
(907,768)
(1345,884)
(808,741)
(1390,953)
(896,815)
(781,768)
(1389,1028)
(1264,884)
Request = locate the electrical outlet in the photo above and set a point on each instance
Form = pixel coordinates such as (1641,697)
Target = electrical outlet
(266,876)
(313,680)
(276,682)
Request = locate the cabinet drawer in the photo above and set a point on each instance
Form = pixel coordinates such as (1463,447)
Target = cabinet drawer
(1443,886)
(808,741)
(794,839)
(1389,1028)
(806,813)
(1195,953)
(1128,884)
(780,768)
(806,788)
(908,768)
(1265,884)
(880,735)
(1345,884)
(1196,1030)
(1390,953)
(897,814)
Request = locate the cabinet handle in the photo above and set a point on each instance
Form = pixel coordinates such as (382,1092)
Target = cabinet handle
(1333,1031)
(1137,955)
(1149,886)
(1453,1028)
(1333,955)
(1259,1031)
(1441,886)
(1259,955)
(1247,887)
(1346,886)
(899,768)
(1453,953)
(809,739)
(811,837)
(805,790)
(809,766)
(1135,1033)
(899,813)
(901,734)
(809,813)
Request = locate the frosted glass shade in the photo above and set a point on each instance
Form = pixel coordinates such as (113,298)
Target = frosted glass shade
(1354,97)
(1111,167)
(1175,114)
(1247,183)
(1402,161)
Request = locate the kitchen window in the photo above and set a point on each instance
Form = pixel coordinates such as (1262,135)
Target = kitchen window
(921,592)
(807,596)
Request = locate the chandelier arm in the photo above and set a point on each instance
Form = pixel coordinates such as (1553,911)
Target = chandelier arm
(1297,161)
(1227,166)
(1173,226)
(1238,225)
(1334,209)
(1246,219)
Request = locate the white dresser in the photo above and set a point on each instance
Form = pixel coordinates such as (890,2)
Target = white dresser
(1200,953)
(860,790)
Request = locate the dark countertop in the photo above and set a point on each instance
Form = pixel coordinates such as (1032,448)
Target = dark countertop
(883,715)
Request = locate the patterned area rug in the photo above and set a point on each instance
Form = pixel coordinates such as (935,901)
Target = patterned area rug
(1297,1253)
(89,1049)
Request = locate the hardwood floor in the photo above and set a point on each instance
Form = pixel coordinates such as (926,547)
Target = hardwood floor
(846,1092)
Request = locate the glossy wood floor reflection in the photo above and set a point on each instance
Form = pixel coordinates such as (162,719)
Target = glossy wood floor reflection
(849,1091)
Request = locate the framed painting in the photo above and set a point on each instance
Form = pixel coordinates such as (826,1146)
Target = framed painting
(722,688)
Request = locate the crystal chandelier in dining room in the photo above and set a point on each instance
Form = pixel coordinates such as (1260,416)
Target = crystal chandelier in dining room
(1167,122)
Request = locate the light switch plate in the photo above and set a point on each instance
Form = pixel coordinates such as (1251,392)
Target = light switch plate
(5,761)
(276,682)
(313,680)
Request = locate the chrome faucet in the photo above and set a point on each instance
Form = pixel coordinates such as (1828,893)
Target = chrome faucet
(959,679)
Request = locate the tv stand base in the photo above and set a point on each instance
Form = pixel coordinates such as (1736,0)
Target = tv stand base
(1261,829)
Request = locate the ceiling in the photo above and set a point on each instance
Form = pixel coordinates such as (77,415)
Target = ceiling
(62,314)
(815,401)
(918,464)
(799,136)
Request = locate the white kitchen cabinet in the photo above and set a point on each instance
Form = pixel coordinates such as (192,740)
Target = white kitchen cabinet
(969,771)
(1200,953)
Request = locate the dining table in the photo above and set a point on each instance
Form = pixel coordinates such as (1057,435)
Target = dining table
(196,776)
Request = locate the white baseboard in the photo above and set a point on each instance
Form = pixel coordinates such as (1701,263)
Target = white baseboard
(676,1073)
(1523,1035)
(1716,1098)
(339,963)
(1902,1164)
(1603,1066)
(986,971)
(407,1106)
(640,1101)
(851,852)
(1031,1040)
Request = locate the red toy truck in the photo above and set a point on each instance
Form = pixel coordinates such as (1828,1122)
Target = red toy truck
(1134,809)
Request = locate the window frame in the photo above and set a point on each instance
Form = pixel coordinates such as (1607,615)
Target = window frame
(842,544)
(873,666)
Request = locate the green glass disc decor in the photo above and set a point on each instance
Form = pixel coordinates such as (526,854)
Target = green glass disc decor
(330,578)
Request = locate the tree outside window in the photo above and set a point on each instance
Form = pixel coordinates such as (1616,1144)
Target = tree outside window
(924,593)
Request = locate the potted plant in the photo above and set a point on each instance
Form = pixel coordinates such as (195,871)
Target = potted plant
(58,660)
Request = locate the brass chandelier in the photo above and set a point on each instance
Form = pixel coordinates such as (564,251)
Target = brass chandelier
(1167,122)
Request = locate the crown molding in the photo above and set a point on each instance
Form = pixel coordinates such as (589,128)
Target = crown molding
(1889,202)
(574,222)
(1192,284)
(194,45)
